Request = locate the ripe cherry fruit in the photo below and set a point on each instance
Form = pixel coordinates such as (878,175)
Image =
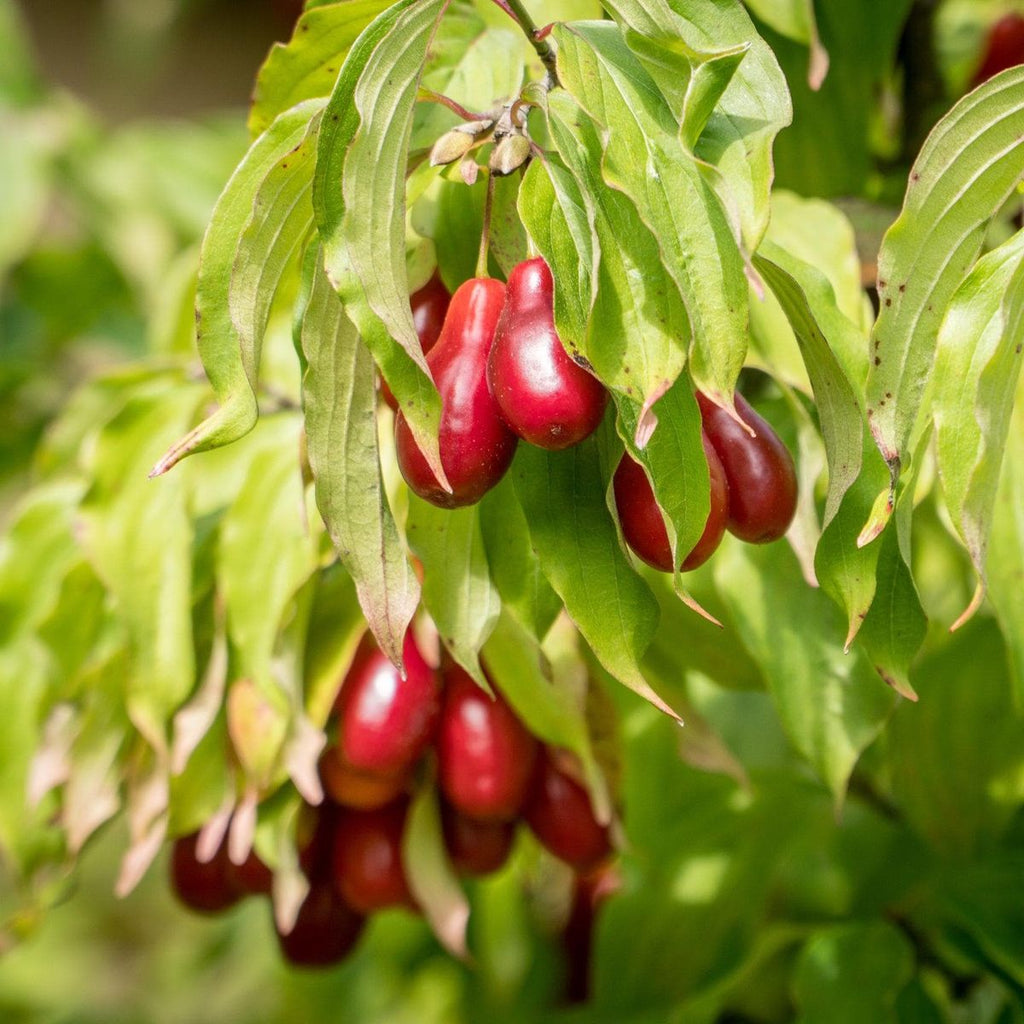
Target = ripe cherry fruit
(760,471)
(368,869)
(360,790)
(1004,47)
(544,396)
(559,813)
(325,930)
(429,305)
(643,526)
(205,886)
(484,753)
(385,722)
(476,847)
(476,447)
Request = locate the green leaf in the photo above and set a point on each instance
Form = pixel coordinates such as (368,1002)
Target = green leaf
(562,495)
(699,41)
(457,587)
(1006,552)
(642,157)
(359,197)
(809,303)
(268,515)
(977,367)
(958,792)
(307,66)
(514,566)
(341,429)
(138,537)
(850,973)
(231,371)
(831,704)
(967,168)
(637,334)
(795,20)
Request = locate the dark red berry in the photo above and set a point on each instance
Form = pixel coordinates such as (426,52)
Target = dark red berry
(252,877)
(325,930)
(368,870)
(559,813)
(1004,47)
(315,839)
(544,396)
(476,447)
(429,305)
(760,471)
(359,790)
(484,753)
(643,526)
(385,722)
(476,847)
(202,886)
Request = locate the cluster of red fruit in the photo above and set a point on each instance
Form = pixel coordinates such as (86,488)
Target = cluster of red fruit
(491,773)
(503,374)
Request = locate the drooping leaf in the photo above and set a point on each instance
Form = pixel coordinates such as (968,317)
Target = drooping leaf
(642,157)
(308,64)
(637,334)
(967,168)
(341,433)
(725,86)
(457,587)
(562,495)
(832,704)
(977,367)
(231,372)
(359,198)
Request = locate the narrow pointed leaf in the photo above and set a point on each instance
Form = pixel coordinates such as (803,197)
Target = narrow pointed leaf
(341,426)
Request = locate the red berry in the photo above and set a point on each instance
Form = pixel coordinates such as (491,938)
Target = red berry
(202,886)
(559,813)
(315,839)
(351,788)
(484,753)
(760,471)
(385,722)
(476,847)
(544,396)
(476,447)
(252,877)
(643,526)
(429,305)
(1004,47)
(325,930)
(368,869)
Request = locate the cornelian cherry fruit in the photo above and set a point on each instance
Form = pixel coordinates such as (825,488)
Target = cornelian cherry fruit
(475,445)
(204,886)
(476,847)
(545,397)
(559,813)
(760,471)
(385,722)
(484,752)
(360,790)
(368,870)
(325,930)
(429,305)
(1004,47)
(643,526)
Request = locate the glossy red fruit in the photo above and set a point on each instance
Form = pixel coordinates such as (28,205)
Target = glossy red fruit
(476,847)
(643,526)
(355,789)
(385,722)
(252,877)
(760,471)
(1004,47)
(325,930)
(476,446)
(544,396)
(315,839)
(368,869)
(484,752)
(202,886)
(559,813)
(429,305)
